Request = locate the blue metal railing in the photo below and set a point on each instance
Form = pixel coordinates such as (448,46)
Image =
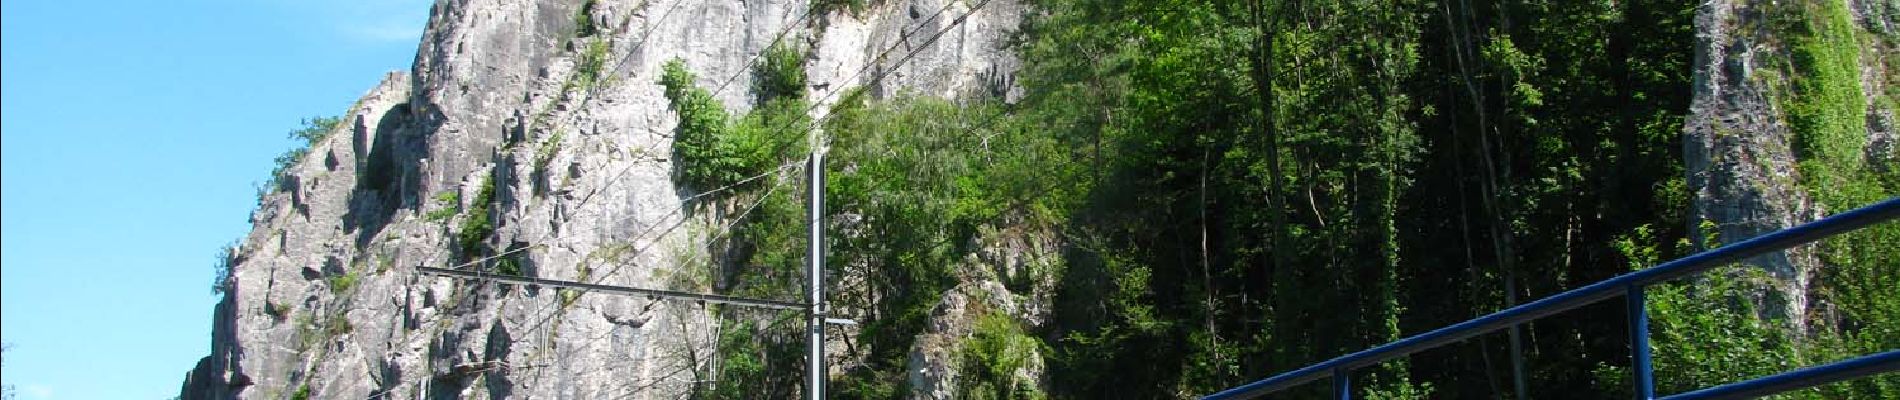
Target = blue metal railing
(1630,285)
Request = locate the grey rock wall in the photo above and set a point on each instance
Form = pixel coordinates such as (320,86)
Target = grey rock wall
(324,298)
(1738,152)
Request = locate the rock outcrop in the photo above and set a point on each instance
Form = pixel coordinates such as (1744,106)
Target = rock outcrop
(1740,149)
(1022,256)
(546,119)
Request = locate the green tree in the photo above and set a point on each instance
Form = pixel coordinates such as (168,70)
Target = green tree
(314,130)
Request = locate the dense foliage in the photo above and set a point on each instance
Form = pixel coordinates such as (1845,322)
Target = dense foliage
(995,351)
(1247,187)
(781,75)
(714,151)
(924,177)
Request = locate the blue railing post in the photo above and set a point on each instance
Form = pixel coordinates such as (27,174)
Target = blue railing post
(1342,384)
(1639,343)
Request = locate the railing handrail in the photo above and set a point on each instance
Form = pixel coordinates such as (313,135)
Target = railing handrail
(1603,290)
(1801,378)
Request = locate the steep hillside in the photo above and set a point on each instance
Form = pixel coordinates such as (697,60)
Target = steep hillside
(534,137)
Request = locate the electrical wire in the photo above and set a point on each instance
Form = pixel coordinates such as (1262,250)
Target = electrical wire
(684,204)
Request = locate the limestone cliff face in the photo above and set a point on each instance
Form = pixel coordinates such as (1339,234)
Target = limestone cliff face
(571,132)
(1739,147)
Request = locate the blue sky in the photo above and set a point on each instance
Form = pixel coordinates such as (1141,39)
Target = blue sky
(131,133)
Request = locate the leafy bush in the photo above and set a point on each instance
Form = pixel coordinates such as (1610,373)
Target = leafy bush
(342,284)
(752,357)
(312,331)
(222,268)
(990,359)
(546,153)
(508,266)
(448,203)
(338,325)
(587,73)
(741,362)
(927,176)
(314,130)
(699,154)
(709,150)
(479,225)
(782,75)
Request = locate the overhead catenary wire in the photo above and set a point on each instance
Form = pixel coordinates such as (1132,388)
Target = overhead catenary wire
(625,169)
(650,293)
(904,38)
(641,42)
(684,204)
(542,323)
(550,315)
(775,323)
(910,54)
(694,258)
(681,221)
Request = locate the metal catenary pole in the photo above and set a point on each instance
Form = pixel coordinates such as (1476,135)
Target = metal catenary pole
(815,277)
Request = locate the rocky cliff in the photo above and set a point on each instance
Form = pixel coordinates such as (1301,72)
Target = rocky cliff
(543,123)
(1743,151)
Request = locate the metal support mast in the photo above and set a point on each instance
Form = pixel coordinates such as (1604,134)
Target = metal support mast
(815,277)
